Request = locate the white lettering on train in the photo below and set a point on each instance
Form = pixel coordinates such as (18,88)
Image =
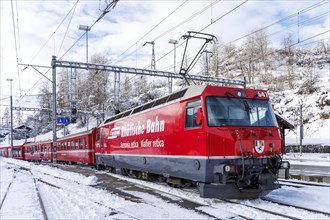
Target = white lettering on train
(155,126)
(151,126)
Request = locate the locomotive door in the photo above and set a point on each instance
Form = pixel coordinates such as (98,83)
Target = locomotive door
(102,141)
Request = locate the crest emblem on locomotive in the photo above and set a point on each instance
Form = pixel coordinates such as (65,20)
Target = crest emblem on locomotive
(259,146)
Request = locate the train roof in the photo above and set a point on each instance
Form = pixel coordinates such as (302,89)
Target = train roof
(14,145)
(76,134)
(186,93)
(38,142)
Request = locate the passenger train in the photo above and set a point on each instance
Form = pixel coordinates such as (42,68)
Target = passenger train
(224,140)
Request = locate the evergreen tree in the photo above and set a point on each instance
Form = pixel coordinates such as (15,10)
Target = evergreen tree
(6,118)
(18,118)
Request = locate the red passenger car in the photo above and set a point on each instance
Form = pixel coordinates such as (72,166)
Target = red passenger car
(78,147)
(5,151)
(222,138)
(17,153)
(38,151)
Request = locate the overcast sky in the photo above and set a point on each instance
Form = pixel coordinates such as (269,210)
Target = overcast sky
(50,27)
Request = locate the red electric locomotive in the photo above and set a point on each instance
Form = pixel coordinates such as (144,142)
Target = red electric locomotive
(38,151)
(224,139)
(78,147)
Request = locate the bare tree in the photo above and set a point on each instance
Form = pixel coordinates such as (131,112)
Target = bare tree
(45,101)
(215,59)
(287,43)
(251,53)
(63,92)
(93,91)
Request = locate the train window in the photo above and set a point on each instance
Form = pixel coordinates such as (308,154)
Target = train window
(81,143)
(191,113)
(69,146)
(86,144)
(77,144)
(227,111)
(72,145)
(64,146)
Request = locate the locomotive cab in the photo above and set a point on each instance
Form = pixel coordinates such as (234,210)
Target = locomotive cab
(244,144)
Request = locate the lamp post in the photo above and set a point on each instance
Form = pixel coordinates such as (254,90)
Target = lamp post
(85,28)
(170,80)
(11,115)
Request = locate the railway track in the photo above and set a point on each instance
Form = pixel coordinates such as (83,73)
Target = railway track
(41,203)
(276,205)
(215,202)
(300,184)
(7,189)
(327,214)
(112,211)
(237,208)
(13,190)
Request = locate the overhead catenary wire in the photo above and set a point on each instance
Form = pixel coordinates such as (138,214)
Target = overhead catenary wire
(108,9)
(291,45)
(16,49)
(202,28)
(219,18)
(281,20)
(18,34)
(148,32)
(178,25)
(319,4)
(75,6)
(40,49)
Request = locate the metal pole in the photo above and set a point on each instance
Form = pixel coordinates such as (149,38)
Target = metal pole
(301,129)
(85,28)
(35,128)
(54,107)
(11,116)
(86,45)
(11,119)
(170,79)
(207,60)
(207,65)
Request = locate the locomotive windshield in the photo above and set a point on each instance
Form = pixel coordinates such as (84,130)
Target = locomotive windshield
(227,111)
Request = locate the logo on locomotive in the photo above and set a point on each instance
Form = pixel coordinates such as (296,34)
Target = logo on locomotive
(259,146)
(139,128)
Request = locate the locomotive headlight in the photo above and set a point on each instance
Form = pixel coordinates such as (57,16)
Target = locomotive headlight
(285,165)
(229,168)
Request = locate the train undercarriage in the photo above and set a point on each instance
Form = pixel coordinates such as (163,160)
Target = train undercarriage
(234,178)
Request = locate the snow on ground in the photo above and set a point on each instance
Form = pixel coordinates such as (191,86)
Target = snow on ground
(317,198)
(78,199)
(310,159)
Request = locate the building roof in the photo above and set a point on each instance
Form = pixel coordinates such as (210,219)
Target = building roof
(283,122)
